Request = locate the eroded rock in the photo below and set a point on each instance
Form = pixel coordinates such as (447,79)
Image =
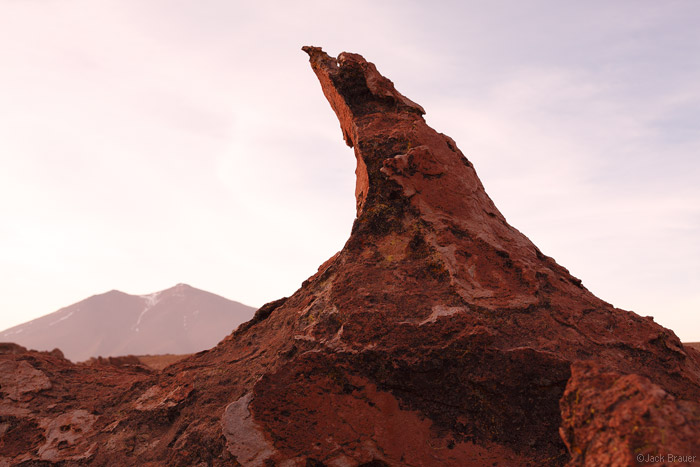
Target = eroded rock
(245,439)
(615,419)
(158,398)
(66,436)
(18,378)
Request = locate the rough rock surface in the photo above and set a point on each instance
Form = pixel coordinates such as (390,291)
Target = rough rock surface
(439,335)
(614,419)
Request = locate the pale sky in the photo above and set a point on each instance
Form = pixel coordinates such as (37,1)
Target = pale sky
(147,143)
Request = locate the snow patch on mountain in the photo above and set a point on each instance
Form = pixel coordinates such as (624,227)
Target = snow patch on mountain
(61,318)
(12,333)
(151,300)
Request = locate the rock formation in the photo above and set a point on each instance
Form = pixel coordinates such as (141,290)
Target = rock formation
(438,336)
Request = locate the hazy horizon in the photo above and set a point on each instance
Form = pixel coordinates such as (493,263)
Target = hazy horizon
(149,144)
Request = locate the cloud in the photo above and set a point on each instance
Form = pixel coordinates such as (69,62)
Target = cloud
(145,144)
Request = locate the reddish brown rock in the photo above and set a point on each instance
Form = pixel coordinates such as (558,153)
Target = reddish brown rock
(613,419)
(51,410)
(65,436)
(439,335)
(19,378)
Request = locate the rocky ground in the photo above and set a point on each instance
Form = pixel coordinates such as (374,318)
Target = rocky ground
(438,336)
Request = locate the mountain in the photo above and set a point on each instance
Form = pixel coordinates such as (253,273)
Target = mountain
(178,320)
(438,336)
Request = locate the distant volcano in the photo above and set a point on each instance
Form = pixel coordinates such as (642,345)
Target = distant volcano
(178,320)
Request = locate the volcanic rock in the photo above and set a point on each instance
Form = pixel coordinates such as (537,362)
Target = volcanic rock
(438,336)
(18,378)
(614,419)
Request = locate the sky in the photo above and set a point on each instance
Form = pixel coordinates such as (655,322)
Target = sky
(149,143)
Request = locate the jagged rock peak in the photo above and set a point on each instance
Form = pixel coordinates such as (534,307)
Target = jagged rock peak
(354,87)
(414,184)
(397,152)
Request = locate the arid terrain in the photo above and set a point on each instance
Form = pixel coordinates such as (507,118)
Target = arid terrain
(158,362)
(152,362)
(438,336)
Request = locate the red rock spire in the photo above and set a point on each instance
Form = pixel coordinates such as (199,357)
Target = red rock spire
(412,178)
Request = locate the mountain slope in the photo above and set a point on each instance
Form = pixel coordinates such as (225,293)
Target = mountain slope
(178,320)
